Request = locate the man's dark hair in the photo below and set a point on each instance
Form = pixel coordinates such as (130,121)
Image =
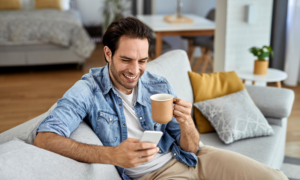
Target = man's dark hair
(130,27)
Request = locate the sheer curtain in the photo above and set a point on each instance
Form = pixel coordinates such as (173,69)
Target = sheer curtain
(278,35)
(292,57)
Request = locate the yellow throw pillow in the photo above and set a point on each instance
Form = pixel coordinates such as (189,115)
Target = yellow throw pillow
(48,4)
(209,86)
(10,4)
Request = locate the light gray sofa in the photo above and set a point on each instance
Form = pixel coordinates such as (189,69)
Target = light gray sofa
(20,159)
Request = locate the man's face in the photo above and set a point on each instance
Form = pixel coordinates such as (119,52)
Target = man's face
(128,63)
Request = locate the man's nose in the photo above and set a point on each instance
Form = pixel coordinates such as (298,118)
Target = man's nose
(134,68)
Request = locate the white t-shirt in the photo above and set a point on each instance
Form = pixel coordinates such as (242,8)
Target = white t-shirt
(136,131)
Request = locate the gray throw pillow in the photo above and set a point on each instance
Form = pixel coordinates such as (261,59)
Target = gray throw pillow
(235,117)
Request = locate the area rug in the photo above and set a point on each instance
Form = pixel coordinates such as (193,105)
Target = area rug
(291,168)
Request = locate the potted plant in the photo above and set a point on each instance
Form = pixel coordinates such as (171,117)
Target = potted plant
(261,64)
(114,10)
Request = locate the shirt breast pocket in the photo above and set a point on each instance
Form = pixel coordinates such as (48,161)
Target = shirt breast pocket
(107,127)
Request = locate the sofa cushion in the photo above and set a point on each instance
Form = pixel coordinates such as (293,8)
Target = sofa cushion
(268,150)
(208,86)
(19,160)
(235,117)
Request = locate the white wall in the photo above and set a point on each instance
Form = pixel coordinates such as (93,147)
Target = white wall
(90,11)
(234,36)
(202,7)
(170,6)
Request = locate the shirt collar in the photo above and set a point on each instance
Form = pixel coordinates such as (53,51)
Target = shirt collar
(107,86)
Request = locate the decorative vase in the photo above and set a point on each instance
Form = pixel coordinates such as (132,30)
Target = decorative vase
(179,7)
(261,67)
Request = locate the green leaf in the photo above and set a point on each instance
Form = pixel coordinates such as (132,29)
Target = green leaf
(265,54)
(261,53)
(253,50)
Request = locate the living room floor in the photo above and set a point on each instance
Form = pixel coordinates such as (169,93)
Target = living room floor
(26,92)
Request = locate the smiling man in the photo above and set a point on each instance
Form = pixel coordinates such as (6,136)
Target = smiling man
(128,64)
(115,100)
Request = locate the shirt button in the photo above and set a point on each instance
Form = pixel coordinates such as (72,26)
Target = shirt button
(141,117)
(174,154)
(124,124)
(120,104)
(159,151)
(110,119)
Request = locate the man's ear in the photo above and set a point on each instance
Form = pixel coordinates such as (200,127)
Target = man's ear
(107,53)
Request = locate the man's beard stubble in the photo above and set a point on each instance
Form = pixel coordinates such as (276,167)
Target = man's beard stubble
(116,77)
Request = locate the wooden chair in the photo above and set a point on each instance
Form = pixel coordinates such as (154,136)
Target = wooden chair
(165,46)
(206,44)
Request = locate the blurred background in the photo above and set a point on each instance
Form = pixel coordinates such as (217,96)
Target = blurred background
(45,49)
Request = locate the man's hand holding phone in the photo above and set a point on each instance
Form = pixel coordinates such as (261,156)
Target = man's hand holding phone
(131,153)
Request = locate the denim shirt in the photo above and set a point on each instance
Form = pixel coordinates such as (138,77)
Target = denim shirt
(94,98)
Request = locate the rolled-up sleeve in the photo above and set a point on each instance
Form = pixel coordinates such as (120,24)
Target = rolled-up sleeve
(71,109)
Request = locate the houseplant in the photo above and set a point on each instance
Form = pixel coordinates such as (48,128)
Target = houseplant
(261,64)
(114,10)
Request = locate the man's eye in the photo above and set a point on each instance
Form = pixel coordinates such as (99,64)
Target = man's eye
(125,60)
(143,62)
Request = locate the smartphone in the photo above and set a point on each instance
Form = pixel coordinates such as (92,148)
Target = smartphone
(151,136)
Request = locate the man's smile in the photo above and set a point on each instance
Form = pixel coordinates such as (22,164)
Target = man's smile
(131,78)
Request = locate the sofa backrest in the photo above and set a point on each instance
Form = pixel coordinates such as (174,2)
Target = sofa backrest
(174,66)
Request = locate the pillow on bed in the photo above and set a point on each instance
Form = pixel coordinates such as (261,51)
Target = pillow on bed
(52,4)
(48,4)
(10,4)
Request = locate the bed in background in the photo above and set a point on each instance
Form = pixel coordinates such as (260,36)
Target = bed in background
(40,36)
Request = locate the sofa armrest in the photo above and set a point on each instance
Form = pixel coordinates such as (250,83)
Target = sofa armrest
(20,160)
(27,131)
(272,101)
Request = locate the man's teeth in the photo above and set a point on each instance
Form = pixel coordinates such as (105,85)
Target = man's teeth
(129,77)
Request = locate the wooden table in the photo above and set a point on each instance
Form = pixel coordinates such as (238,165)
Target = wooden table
(200,26)
(273,75)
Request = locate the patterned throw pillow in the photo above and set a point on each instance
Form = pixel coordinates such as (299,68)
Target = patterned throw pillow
(235,117)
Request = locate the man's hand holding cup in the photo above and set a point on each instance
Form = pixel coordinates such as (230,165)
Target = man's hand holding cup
(162,109)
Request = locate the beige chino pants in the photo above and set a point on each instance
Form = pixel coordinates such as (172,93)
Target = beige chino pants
(217,164)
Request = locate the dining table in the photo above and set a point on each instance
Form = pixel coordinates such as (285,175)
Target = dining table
(198,27)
